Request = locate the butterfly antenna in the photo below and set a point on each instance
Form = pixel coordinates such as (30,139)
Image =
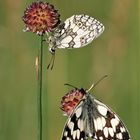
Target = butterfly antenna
(70,85)
(94,85)
(51,63)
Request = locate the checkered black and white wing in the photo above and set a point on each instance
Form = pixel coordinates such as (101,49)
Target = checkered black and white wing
(93,119)
(75,126)
(77,31)
(108,126)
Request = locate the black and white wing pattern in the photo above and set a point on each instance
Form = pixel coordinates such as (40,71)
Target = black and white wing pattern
(75,126)
(93,119)
(77,31)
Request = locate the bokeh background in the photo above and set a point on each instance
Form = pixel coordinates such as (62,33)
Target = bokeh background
(116,53)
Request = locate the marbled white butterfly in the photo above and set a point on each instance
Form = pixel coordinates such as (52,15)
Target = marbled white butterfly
(77,31)
(90,118)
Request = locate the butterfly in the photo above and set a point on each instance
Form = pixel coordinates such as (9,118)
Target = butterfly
(90,118)
(76,32)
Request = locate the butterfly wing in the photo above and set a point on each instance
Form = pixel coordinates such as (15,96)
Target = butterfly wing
(75,128)
(78,31)
(108,125)
(93,119)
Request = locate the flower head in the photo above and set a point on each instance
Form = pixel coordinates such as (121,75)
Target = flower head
(41,17)
(71,100)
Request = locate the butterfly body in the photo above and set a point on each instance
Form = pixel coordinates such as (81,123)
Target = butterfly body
(77,31)
(90,118)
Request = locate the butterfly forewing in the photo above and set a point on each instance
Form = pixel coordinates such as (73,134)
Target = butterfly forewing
(75,126)
(108,125)
(93,119)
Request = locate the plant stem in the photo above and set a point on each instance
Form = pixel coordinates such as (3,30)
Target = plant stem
(39,96)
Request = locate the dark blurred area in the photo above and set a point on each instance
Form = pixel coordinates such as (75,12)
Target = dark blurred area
(115,53)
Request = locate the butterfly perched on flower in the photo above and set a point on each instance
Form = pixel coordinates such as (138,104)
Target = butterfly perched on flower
(90,118)
(77,31)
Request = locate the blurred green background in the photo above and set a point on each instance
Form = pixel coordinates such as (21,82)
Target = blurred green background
(116,53)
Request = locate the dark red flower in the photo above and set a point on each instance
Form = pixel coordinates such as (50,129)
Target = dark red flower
(41,17)
(71,100)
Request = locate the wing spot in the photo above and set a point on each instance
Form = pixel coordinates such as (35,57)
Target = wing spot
(81,125)
(111,131)
(71,126)
(105,130)
(65,133)
(114,123)
(78,112)
(78,134)
(84,28)
(74,135)
(79,24)
(119,136)
(102,110)
(101,138)
(99,123)
(103,121)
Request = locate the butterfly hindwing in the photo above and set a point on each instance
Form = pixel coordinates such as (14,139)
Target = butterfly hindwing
(77,31)
(80,30)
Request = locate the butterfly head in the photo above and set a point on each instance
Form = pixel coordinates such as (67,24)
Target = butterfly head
(52,50)
(72,99)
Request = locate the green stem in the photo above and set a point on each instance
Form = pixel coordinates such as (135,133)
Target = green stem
(39,96)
